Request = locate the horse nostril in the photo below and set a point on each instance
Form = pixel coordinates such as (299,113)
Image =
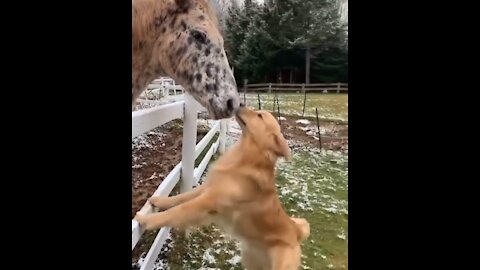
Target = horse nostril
(230,104)
(242,105)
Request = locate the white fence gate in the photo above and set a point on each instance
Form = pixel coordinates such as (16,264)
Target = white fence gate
(162,87)
(148,119)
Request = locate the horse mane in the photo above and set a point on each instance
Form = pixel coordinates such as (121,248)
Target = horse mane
(212,10)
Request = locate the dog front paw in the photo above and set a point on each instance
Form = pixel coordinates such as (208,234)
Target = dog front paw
(149,222)
(140,218)
(159,202)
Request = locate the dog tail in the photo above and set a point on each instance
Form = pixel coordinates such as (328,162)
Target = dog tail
(303,228)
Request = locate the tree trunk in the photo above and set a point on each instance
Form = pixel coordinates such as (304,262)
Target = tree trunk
(307,65)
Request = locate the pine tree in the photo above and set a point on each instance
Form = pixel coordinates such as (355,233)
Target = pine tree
(309,24)
(241,38)
(265,38)
(331,65)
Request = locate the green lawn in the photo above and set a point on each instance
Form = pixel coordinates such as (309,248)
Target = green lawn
(330,106)
(315,187)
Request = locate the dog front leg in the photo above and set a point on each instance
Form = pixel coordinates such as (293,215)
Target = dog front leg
(164,203)
(193,212)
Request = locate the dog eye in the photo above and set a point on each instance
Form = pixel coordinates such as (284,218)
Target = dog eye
(260,115)
(199,36)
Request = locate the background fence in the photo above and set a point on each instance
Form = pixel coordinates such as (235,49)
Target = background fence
(293,87)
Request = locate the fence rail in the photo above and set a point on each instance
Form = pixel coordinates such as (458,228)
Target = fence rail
(157,90)
(295,87)
(184,172)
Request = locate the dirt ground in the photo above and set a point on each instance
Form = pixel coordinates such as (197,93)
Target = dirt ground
(334,134)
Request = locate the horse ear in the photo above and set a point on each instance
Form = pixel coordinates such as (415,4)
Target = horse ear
(184,4)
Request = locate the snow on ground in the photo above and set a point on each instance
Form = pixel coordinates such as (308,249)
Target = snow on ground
(303,121)
(148,140)
(330,106)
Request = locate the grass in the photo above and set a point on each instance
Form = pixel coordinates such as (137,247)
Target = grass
(330,106)
(315,187)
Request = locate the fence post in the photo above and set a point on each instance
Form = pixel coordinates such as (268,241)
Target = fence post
(270,88)
(245,82)
(189,143)
(338,88)
(304,99)
(223,135)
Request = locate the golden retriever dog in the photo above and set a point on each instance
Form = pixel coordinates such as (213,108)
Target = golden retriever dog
(239,196)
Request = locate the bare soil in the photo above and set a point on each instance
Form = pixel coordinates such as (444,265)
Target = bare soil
(335,135)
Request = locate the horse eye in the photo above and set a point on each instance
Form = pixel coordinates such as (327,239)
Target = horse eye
(260,115)
(199,36)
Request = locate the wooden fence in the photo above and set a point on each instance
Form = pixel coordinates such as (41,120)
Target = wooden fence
(293,87)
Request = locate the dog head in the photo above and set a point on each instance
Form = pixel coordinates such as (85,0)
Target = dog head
(263,128)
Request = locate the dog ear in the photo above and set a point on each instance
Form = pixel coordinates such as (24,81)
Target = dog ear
(280,147)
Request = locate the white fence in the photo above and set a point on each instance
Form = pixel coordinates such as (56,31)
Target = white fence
(148,119)
(162,87)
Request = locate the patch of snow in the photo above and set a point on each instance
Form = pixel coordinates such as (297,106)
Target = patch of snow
(207,257)
(141,259)
(303,121)
(161,264)
(342,236)
(235,260)
(333,210)
(148,140)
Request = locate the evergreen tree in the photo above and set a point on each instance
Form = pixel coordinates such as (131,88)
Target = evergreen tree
(262,39)
(241,39)
(331,65)
(309,24)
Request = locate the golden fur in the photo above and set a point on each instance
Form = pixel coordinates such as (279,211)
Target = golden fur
(240,196)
